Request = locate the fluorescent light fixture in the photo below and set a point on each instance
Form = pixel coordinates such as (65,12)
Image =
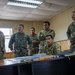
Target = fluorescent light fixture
(23,4)
(31,1)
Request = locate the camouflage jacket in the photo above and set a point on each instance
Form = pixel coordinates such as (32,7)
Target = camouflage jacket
(35,39)
(43,33)
(52,50)
(20,40)
(71,31)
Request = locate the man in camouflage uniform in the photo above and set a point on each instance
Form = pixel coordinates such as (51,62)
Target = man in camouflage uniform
(35,41)
(71,33)
(2,45)
(50,47)
(19,41)
(41,35)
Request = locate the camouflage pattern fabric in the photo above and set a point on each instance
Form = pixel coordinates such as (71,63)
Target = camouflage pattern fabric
(20,51)
(20,41)
(51,50)
(41,45)
(41,37)
(71,35)
(35,44)
(2,45)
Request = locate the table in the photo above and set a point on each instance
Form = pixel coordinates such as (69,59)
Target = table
(55,66)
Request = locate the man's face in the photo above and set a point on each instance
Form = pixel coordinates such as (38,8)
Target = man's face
(49,40)
(32,31)
(73,16)
(20,28)
(46,26)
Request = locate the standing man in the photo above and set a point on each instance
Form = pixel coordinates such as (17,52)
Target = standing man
(41,35)
(2,45)
(19,41)
(35,41)
(71,33)
(51,48)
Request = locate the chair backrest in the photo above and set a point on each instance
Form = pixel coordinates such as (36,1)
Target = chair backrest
(65,44)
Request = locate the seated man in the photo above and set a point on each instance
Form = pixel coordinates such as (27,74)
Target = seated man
(51,48)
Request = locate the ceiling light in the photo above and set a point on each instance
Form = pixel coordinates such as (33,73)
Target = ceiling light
(31,1)
(24,3)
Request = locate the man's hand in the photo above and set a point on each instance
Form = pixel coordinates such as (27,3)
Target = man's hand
(13,50)
(28,51)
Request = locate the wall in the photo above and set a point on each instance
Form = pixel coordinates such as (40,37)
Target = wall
(28,24)
(61,22)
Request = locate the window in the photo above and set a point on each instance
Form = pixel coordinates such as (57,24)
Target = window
(7,33)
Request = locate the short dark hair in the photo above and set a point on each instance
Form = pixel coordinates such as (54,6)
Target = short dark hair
(73,12)
(21,25)
(50,36)
(32,28)
(47,22)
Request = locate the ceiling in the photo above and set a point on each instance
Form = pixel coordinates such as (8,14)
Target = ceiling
(46,10)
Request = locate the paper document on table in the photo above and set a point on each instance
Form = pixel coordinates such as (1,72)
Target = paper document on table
(70,54)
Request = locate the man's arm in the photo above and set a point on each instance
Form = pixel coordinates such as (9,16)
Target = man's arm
(57,49)
(3,43)
(12,40)
(29,42)
(68,33)
(53,33)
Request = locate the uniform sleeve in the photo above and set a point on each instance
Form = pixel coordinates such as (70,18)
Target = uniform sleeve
(38,35)
(57,49)
(3,43)
(12,40)
(53,33)
(41,36)
(68,33)
(37,41)
(29,42)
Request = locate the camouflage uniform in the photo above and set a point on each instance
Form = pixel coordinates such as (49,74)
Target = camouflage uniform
(35,45)
(20,41)
(71,35)
(52,50)
(41,37)
(2,45)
